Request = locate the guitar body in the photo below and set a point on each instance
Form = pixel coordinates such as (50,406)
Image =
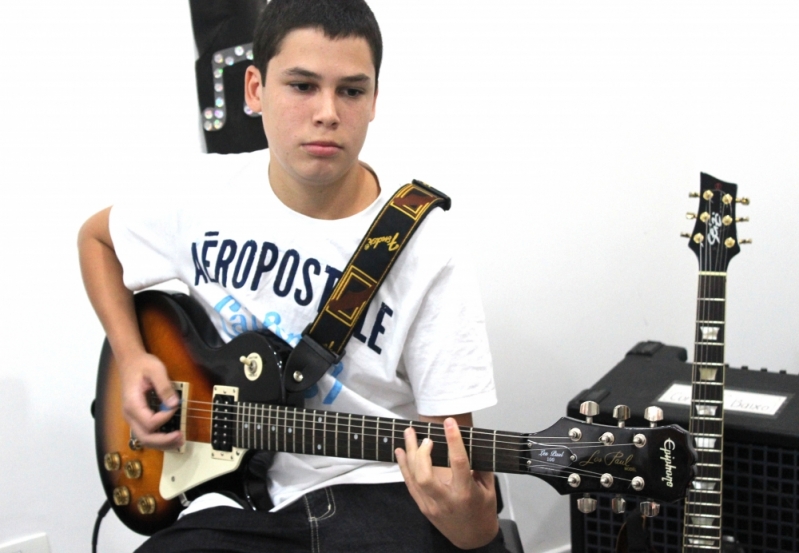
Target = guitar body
(179,333)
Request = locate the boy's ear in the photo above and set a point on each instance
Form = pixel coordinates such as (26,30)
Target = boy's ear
(252,89)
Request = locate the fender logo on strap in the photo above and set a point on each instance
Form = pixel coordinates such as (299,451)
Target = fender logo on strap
(390,241)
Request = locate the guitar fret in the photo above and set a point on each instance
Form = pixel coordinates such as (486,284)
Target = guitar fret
(377,439)
(363,437)
(349,435)
(494,451)
(471,447)
(335,444)
(393,437)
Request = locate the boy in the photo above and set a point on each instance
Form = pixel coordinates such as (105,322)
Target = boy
(421,352)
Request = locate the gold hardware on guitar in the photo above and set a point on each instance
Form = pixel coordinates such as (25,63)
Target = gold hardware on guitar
(133,469)
(121,496)
(146,505)
(112,461)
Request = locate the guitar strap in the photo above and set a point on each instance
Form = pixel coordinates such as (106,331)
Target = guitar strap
(323,341)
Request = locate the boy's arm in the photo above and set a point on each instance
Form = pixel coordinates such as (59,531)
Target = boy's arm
(113,303)
(460,502)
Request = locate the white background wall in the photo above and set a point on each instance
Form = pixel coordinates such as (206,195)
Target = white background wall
(568,133)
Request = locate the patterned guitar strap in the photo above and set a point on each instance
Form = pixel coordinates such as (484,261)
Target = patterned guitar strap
(323,341)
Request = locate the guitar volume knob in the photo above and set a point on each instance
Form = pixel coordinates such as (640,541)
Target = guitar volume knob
(133,469)
(112,461)
(146,504)
(121,496)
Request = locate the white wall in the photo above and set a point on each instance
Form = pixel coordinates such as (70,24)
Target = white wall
(568,133)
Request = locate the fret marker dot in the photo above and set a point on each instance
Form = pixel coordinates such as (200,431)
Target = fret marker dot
(290,430)
(273,429)
(318,446)
(355,436)
(258,427)
(385,440)
(319,419)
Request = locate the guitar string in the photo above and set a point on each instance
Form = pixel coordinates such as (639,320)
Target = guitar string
(372,421)
(487,436)
(398,436)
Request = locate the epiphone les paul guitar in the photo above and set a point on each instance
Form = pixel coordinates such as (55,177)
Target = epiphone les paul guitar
(232,403)
(715,242)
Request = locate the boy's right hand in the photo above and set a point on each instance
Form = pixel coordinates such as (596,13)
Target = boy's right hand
(140,374)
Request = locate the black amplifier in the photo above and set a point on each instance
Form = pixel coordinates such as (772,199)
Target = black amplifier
(761,450)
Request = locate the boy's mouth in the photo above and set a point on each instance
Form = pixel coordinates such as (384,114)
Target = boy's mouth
(322,148)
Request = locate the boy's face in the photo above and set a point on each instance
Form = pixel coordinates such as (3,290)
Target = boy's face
(316,104)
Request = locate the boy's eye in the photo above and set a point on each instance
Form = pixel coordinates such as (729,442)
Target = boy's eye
(352,92)
(302,87)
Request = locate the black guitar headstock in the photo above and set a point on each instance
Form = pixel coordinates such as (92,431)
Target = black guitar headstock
(714,239)
(578,457)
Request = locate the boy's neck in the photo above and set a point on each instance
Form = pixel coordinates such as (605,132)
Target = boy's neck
(349,195)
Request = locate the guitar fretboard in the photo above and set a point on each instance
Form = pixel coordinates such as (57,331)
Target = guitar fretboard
(330,434)
(703,503)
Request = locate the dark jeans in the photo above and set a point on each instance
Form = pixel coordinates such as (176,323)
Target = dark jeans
(347,518)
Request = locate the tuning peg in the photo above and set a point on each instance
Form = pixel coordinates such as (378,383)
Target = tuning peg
(685,234)
(693,194)
(586,504)
(621,413)
(654,415)
(745,241)
(618,504)
(690,215)
(589,409)
(742,219)
(649,508)
(742,201)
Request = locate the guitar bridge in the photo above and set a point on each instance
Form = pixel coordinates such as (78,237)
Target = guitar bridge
(223,422)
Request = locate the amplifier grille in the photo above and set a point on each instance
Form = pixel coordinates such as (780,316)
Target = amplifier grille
(760,509)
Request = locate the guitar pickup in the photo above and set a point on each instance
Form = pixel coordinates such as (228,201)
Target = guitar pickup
(223,422)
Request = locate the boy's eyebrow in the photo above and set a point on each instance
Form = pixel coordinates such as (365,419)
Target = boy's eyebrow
(300,72)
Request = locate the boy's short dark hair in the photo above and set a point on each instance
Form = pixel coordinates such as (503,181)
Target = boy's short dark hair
(336,18)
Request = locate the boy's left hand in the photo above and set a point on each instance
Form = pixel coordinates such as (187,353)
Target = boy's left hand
(460,502)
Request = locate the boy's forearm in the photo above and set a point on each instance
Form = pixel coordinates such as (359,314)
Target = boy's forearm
(102,278)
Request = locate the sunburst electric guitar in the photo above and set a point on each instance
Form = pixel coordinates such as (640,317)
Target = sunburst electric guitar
(715,242)
(231,404)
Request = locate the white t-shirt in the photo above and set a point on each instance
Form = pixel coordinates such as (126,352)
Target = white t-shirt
(253,263)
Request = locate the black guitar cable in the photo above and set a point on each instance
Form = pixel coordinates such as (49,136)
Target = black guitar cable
(100,515)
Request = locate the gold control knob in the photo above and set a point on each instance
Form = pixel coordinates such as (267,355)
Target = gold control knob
(112,461)
(121,496)
(133,469)
(146,504)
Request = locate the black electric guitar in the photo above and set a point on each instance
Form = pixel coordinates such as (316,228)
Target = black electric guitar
(714,241)
(231,403)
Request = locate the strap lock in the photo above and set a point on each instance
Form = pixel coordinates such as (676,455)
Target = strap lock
(307,363)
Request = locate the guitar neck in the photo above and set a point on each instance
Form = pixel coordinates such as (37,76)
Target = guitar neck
(703,502)
(330,434)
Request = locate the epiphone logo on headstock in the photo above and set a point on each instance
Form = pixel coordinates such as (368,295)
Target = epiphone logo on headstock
(668,447)
(613,458)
